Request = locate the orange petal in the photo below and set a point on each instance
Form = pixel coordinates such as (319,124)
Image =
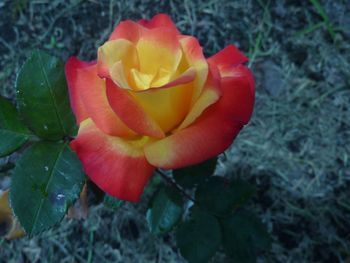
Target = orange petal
(160,20)
(128,30)
(118,166)
(71,67)
(92,92)
(127,108)
(211,133)
(227,59)
(195,58)
(210,94)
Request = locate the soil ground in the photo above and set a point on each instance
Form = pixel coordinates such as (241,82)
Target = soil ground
(296,149)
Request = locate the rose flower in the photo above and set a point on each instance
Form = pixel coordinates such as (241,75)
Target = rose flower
(153,100)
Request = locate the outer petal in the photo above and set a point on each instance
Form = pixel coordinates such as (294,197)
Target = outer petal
(211,133)
(242,71)
(116,165)
(160,20)
(128,30)
(125,106)
(195,58)
(71,67)
(227,59)
(92,91)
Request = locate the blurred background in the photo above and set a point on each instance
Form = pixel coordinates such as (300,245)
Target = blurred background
(296,149)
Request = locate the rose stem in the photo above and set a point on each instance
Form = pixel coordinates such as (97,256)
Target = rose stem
(174,184)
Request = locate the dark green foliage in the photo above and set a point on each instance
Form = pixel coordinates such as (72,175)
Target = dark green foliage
(199,238)
(244,236)
(13,134)
(192,175)
(222,197)
(47,179)
(42,97)
(165,211)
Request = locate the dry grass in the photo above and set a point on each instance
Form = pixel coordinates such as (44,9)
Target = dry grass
(296,149)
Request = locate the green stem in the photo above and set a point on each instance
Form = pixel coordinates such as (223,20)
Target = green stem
(176,186)
(91,240)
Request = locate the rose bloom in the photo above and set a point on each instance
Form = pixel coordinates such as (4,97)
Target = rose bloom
(153,100)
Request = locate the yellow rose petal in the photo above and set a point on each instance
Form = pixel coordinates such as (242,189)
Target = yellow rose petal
(114,51)
(167,106)
(142,80)
(158,48)
(163,76)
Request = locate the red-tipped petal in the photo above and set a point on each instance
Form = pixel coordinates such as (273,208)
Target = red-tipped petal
(227,59)
(125,106)
(128,30)
(117,166)
(92,91)
(211,133)
(160,20)
(71,67)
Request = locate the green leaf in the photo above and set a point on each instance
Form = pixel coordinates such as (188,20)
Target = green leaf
(190,176)
(112,202)
(10,141)
(199,238)
(13,134)
(165,211)
(9,118)
(244,236)
(153,184)
(47,179)
(42,97)
(221,196)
